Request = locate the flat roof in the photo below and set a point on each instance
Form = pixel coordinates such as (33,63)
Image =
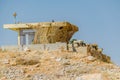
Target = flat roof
(32,25)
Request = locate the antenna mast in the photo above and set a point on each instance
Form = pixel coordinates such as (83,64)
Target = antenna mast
(15,14)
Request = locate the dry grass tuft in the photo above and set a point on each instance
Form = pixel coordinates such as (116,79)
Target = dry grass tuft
(21,61)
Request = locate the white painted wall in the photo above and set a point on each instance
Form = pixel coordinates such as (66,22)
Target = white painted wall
(26,37)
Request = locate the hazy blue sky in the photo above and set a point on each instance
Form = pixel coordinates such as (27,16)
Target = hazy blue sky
(98,20)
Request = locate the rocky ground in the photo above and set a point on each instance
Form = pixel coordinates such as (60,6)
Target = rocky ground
(55,65)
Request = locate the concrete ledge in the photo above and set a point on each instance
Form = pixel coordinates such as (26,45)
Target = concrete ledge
(10,48)
(42,47)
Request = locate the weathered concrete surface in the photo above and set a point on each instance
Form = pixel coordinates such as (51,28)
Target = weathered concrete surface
(41,47)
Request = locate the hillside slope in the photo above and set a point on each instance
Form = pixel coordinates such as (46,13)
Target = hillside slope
(55,65)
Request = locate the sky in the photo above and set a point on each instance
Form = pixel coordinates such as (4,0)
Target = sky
(98,20)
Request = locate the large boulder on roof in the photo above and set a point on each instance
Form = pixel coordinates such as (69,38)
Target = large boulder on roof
(51,32)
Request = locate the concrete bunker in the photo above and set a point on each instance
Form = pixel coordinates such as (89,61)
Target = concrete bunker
(43,32)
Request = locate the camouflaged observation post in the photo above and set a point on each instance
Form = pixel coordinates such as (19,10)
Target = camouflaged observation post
(43,32)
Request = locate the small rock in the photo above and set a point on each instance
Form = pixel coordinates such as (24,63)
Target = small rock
(5,61)
(58,59)
(26,49)
(78,78)
(38,77)
(90,58)
(52,57)
(37,65)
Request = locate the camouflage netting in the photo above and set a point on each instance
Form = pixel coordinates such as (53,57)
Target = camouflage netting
(51,32)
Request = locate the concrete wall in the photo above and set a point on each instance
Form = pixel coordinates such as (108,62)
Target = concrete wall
(42,47)
(10,48)
(50,47)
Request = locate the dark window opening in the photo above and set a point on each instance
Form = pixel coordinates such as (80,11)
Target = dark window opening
(61,28)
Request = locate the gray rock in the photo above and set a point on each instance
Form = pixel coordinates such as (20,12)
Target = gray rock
(78,78)
(90,58)
(39,77)
(58,59)
(13,73)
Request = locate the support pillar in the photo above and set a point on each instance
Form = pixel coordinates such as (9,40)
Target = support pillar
(27,40)
(19,37)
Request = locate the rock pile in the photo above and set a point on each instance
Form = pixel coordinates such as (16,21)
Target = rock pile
(55,65)
(12,73)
